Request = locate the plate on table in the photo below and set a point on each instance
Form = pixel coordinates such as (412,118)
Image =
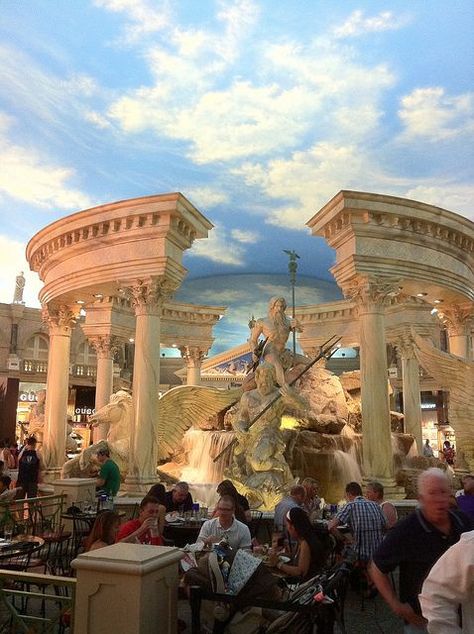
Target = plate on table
(174,519)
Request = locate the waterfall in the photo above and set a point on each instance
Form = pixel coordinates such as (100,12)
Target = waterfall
(347,467)
(200,448)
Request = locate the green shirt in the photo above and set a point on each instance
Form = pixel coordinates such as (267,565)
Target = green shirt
(109,472)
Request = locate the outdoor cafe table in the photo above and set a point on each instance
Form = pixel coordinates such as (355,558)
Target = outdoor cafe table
(19,545)
(182,533)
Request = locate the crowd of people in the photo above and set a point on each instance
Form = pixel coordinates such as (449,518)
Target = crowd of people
(433,547)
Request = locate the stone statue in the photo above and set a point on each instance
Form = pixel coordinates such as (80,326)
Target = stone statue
(118,415)
(36,416)
(178,410)
(19,287)
(276,328)
(456,375)
(259,467)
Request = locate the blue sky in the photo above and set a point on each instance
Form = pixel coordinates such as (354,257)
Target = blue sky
(257,111)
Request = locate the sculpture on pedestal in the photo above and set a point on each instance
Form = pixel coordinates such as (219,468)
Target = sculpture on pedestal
(19,288)
(259,466)
(36,416)
(276,328)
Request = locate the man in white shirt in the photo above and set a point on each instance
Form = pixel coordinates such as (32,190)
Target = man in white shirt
(450,584)
(225,526)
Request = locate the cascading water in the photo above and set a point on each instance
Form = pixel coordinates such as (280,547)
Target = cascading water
(347,468)
(200,448)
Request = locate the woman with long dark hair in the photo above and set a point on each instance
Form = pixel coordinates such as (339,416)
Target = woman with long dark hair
(311,554)
(103,532)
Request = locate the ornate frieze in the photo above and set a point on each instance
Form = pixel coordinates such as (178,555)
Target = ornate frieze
(405,224)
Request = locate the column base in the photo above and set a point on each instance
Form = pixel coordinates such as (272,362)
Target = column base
(138,485)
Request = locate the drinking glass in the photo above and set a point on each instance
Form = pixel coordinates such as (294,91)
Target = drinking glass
(8,533)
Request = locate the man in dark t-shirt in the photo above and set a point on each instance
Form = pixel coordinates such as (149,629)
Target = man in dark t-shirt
(415,544)
(29,468)
(179,498)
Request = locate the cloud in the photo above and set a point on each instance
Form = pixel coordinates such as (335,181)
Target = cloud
(207,196)
(145,16)
(357,24)
(97,119)
(249,237)
(309,178)
(431,114)
(452,196)
(27,175)
(219,248)
(12,261)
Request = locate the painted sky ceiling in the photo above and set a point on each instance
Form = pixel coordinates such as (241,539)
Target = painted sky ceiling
(257,111)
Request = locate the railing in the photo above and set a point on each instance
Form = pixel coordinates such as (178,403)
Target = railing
(89,371)
(33,516)
(30,365)
(49,609)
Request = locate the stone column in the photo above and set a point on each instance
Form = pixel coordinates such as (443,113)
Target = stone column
(411,392)
(60,320)
(105,347)
(193,355)
(146,298)
(458,320)
(370,295)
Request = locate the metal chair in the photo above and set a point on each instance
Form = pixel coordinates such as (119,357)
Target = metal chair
(255,522)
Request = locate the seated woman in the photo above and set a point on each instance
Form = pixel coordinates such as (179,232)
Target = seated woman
(311,554)
(103,532)
(158,492)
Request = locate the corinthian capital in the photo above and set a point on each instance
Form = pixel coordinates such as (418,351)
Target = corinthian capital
(193,355)
(372,291)
(457,318)
(405,347)
(60,319)
(105,346)
(147,296)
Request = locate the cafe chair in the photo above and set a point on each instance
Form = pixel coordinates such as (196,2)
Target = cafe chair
(255,522)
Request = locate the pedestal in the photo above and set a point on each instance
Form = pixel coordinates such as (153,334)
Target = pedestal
(129,588)
(75,489)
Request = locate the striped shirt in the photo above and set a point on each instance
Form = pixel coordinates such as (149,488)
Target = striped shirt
(367,524)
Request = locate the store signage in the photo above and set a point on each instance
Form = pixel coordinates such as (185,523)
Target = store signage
(428,406)
(85,410)
(27,397)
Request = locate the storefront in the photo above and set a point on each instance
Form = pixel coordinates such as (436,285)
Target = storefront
(434,421)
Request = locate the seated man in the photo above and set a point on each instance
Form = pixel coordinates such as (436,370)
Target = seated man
(296,498)
(225,527)
(179,498)
(374,492)
(109,474)
(364,518)
(144,529)
(5,492)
